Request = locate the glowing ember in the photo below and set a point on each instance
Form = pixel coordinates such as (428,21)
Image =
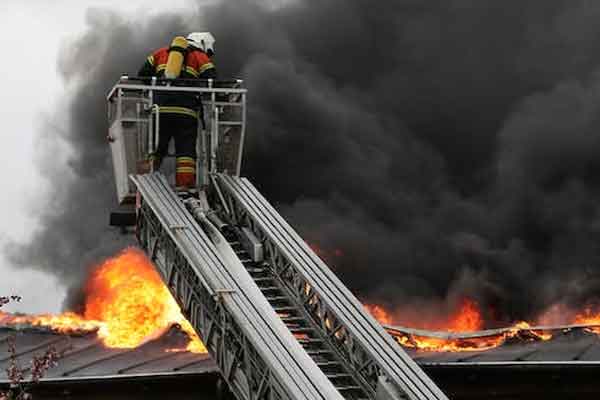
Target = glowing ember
(126,303)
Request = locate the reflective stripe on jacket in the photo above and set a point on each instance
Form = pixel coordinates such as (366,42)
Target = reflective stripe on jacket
(178,110)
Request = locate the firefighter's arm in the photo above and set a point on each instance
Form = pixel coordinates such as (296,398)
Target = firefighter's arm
(209,73)
(205,73)
(148,68)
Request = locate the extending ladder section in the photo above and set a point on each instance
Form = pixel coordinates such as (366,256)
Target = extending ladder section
(256,353)
(299,322)
(351,337)
(277,321)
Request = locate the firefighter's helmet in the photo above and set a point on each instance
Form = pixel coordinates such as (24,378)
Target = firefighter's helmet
(204,41)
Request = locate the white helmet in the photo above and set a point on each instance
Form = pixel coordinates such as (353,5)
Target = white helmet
(204,41)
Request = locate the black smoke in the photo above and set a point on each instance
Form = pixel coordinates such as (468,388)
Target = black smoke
(432,150)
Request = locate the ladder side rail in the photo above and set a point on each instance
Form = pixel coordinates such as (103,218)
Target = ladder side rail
(400,367)
(416,383)
(227,364)
(331,361)
(356,361)
(207,315)
(277,367)
(223,331)
(359,360)
(360,325)
(320,319)
(321,271)
(155,203)
(263,310)
(264,313)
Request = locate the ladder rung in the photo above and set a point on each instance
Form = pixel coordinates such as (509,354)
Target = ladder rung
(256,270)
(269,288)
(309,341)
(301,330)
(292,319)
(348,388)
(338,376)
(277,298)
(317,352)
(263,279)
(328,364)
(246,260)
(234,243)
(284,309)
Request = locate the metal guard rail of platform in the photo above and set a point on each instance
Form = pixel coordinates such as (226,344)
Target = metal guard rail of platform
(178,86)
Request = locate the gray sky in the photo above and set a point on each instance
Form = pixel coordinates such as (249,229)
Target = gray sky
(31,88)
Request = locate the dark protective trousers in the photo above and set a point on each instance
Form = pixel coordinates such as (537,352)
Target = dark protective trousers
(183,129)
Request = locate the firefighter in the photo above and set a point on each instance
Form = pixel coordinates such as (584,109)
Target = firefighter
(186,58)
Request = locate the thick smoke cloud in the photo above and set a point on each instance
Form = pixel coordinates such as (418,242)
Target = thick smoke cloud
(430,150)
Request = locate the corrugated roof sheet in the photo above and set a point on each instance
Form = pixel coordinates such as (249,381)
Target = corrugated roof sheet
(86,357)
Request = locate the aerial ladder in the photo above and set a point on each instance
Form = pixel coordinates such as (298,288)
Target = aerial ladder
(274,317)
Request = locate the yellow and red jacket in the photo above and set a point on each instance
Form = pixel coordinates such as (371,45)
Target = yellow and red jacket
(197,65)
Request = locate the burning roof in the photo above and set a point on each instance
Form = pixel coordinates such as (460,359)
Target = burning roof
(131,329)
(85,356)
(423,341)
(126,304)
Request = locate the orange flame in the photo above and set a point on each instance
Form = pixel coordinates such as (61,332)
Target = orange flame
(126,303)
(468,318)
(379,313)
(450,345)
(480,343)
(589,317)
(67,323)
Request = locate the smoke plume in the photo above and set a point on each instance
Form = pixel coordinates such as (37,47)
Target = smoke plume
(430,150)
